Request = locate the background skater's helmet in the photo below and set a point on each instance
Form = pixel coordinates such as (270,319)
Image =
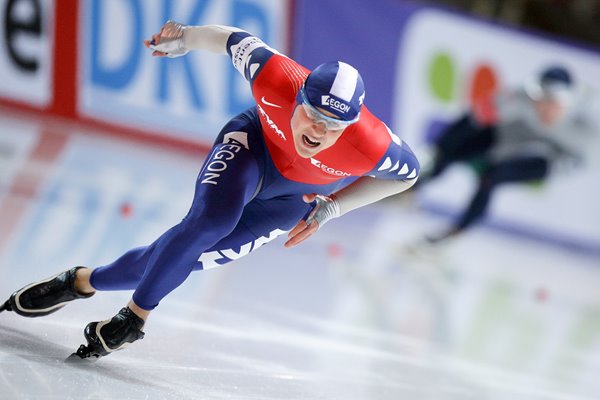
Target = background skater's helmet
(336,87)
(553,83)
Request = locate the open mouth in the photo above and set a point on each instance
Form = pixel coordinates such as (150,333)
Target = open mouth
(309,142)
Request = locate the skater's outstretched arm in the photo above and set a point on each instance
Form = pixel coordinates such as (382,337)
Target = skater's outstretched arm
(175,39)
(364,191)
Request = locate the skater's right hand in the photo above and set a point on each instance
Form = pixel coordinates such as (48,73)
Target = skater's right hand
(324,209)
(169,41)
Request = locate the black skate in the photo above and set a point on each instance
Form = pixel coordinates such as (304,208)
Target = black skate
(45,297)
(104,337)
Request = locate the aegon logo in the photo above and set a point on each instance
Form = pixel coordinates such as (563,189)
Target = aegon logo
(217,163)
(271,123)
(326,100)
(327,169)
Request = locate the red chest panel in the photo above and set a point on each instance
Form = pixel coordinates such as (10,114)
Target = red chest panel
(356,153)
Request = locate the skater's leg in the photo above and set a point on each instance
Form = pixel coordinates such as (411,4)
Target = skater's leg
(462,141)
(239,142)
(228,180)
(515,170)
(261,222)
(217,207)
(124,273)
(48,295)
(82,280)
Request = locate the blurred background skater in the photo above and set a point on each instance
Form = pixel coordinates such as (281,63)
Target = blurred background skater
(523,135)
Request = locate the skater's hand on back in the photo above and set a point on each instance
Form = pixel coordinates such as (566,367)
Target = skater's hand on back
(154,41)
(324,209)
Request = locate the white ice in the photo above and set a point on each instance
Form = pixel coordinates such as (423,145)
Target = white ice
(354,313)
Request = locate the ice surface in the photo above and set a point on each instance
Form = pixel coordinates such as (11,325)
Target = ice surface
(350,314)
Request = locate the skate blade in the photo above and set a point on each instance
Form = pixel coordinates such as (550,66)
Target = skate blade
(83,354)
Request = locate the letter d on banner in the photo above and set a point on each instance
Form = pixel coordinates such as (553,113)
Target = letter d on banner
(107,72)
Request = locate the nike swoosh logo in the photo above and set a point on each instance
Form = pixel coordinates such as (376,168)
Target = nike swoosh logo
(268,103)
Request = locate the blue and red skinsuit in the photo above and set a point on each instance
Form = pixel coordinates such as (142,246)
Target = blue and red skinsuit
(250,188)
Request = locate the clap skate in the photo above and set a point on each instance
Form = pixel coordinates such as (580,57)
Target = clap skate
(46,296)
(105,337)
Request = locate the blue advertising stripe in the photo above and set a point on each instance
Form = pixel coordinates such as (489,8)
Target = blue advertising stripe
(189,97)
(363,34)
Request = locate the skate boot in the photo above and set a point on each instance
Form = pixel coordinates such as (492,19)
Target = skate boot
(46,296)
(104,337)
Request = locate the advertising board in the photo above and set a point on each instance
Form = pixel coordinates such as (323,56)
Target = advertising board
(189,97)
(26,42)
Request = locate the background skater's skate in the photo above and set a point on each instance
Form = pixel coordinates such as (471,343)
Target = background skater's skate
(46,296)
(107,336)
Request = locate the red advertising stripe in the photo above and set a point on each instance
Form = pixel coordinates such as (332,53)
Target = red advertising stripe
(27,182)
(66,21)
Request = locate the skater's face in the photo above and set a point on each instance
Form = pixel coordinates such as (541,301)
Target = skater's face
(310,135)
(549,111)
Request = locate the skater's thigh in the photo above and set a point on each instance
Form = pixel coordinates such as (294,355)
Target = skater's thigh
(261,222)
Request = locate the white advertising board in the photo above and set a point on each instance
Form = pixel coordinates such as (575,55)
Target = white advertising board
(440,55)
(26,43)
(188,97)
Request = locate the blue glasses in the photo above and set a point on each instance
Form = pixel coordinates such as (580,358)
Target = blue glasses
(330,123)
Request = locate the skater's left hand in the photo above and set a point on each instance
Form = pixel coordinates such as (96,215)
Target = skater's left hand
(324,209)
(169,41)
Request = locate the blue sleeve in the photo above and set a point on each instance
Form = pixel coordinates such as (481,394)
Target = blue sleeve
(398,162)
(248,54)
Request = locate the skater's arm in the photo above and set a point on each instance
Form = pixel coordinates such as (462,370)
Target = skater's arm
(175,39)
(208,37)
(368,190)
(362,192)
